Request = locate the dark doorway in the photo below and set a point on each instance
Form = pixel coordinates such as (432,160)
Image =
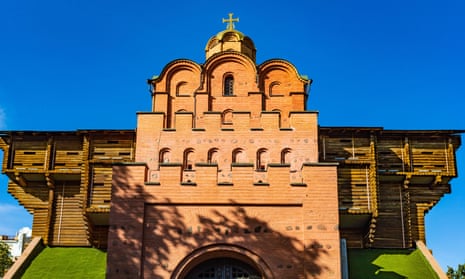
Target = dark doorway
(224,268)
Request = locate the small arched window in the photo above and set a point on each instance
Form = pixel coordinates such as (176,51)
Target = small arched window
(286,156)
(164,156)
(180,87)
(188,159)
(274,88)
(238,155)
(213,156)
(261,159)
(228,88)
(227,116)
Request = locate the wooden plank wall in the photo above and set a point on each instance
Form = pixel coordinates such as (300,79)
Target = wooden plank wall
(68,226)
(354,155)
(100,186)
(30,155)
(68,153)
(394,159)
(431,157)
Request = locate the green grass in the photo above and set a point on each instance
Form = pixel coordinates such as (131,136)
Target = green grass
(73,262)
(389,264)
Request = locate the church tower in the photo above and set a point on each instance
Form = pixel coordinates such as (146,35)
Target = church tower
(227,180)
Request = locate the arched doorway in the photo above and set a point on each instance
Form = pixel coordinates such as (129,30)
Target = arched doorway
(224,268)
(222,261)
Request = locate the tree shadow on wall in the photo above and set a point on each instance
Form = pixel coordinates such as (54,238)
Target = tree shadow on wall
(149,240)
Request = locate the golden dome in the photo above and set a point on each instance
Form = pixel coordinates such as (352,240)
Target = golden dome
(230,40)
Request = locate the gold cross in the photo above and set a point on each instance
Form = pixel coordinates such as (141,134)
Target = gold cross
(230,21)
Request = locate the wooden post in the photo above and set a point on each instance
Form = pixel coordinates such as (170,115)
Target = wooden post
(51,199)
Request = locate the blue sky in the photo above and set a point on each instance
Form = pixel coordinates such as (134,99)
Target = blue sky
(67,65)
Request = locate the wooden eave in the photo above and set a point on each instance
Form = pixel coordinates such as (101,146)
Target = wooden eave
(340,130)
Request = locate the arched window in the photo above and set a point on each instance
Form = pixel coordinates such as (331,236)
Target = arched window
(228,86)
(164,155)
(188,159)
(227,116)
(180,87)
(213,156)
(238,155)
(262,159)
(286,156)
(274,88)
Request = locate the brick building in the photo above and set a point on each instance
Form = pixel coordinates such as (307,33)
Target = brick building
(229,176)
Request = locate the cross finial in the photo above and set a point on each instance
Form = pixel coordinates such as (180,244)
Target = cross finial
(230,21)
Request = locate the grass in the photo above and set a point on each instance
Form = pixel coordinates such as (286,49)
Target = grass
(72,262)
(389,264)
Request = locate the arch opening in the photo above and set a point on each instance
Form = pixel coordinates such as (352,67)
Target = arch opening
(224,268)
(223,262)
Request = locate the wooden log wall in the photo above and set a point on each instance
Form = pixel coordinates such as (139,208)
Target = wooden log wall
(353,186)
(68,226)
(30,155)
(355,157)
(392,156)
(100,186)
(59,176)
(408,173)
(120,150)
(431,157)
(68,153)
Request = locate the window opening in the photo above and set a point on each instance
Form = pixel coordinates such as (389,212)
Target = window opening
(179,88)
(164,156)
(285,156)
(212,156)
(261,159)
(228,86)
(188,159)
(237,155)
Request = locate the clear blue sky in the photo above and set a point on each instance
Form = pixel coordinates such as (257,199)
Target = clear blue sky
(67,65)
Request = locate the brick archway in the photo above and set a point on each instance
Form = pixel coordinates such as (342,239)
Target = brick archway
(221,251)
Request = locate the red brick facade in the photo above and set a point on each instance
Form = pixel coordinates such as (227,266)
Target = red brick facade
(227,167)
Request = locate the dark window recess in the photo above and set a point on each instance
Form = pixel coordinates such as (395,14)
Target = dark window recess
(37,164)
(360,185)
(72,153)
(345,140)
(124,153)
(99,184)
(99,153)
(113,141)
(29,153)
(60,164)
(228,86)
(427,153)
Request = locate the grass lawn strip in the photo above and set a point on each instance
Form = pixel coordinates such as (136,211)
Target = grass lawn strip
(70,262)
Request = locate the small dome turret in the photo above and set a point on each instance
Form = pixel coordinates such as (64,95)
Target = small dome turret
(230,40)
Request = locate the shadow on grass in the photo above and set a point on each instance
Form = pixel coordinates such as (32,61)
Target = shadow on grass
(388,264)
